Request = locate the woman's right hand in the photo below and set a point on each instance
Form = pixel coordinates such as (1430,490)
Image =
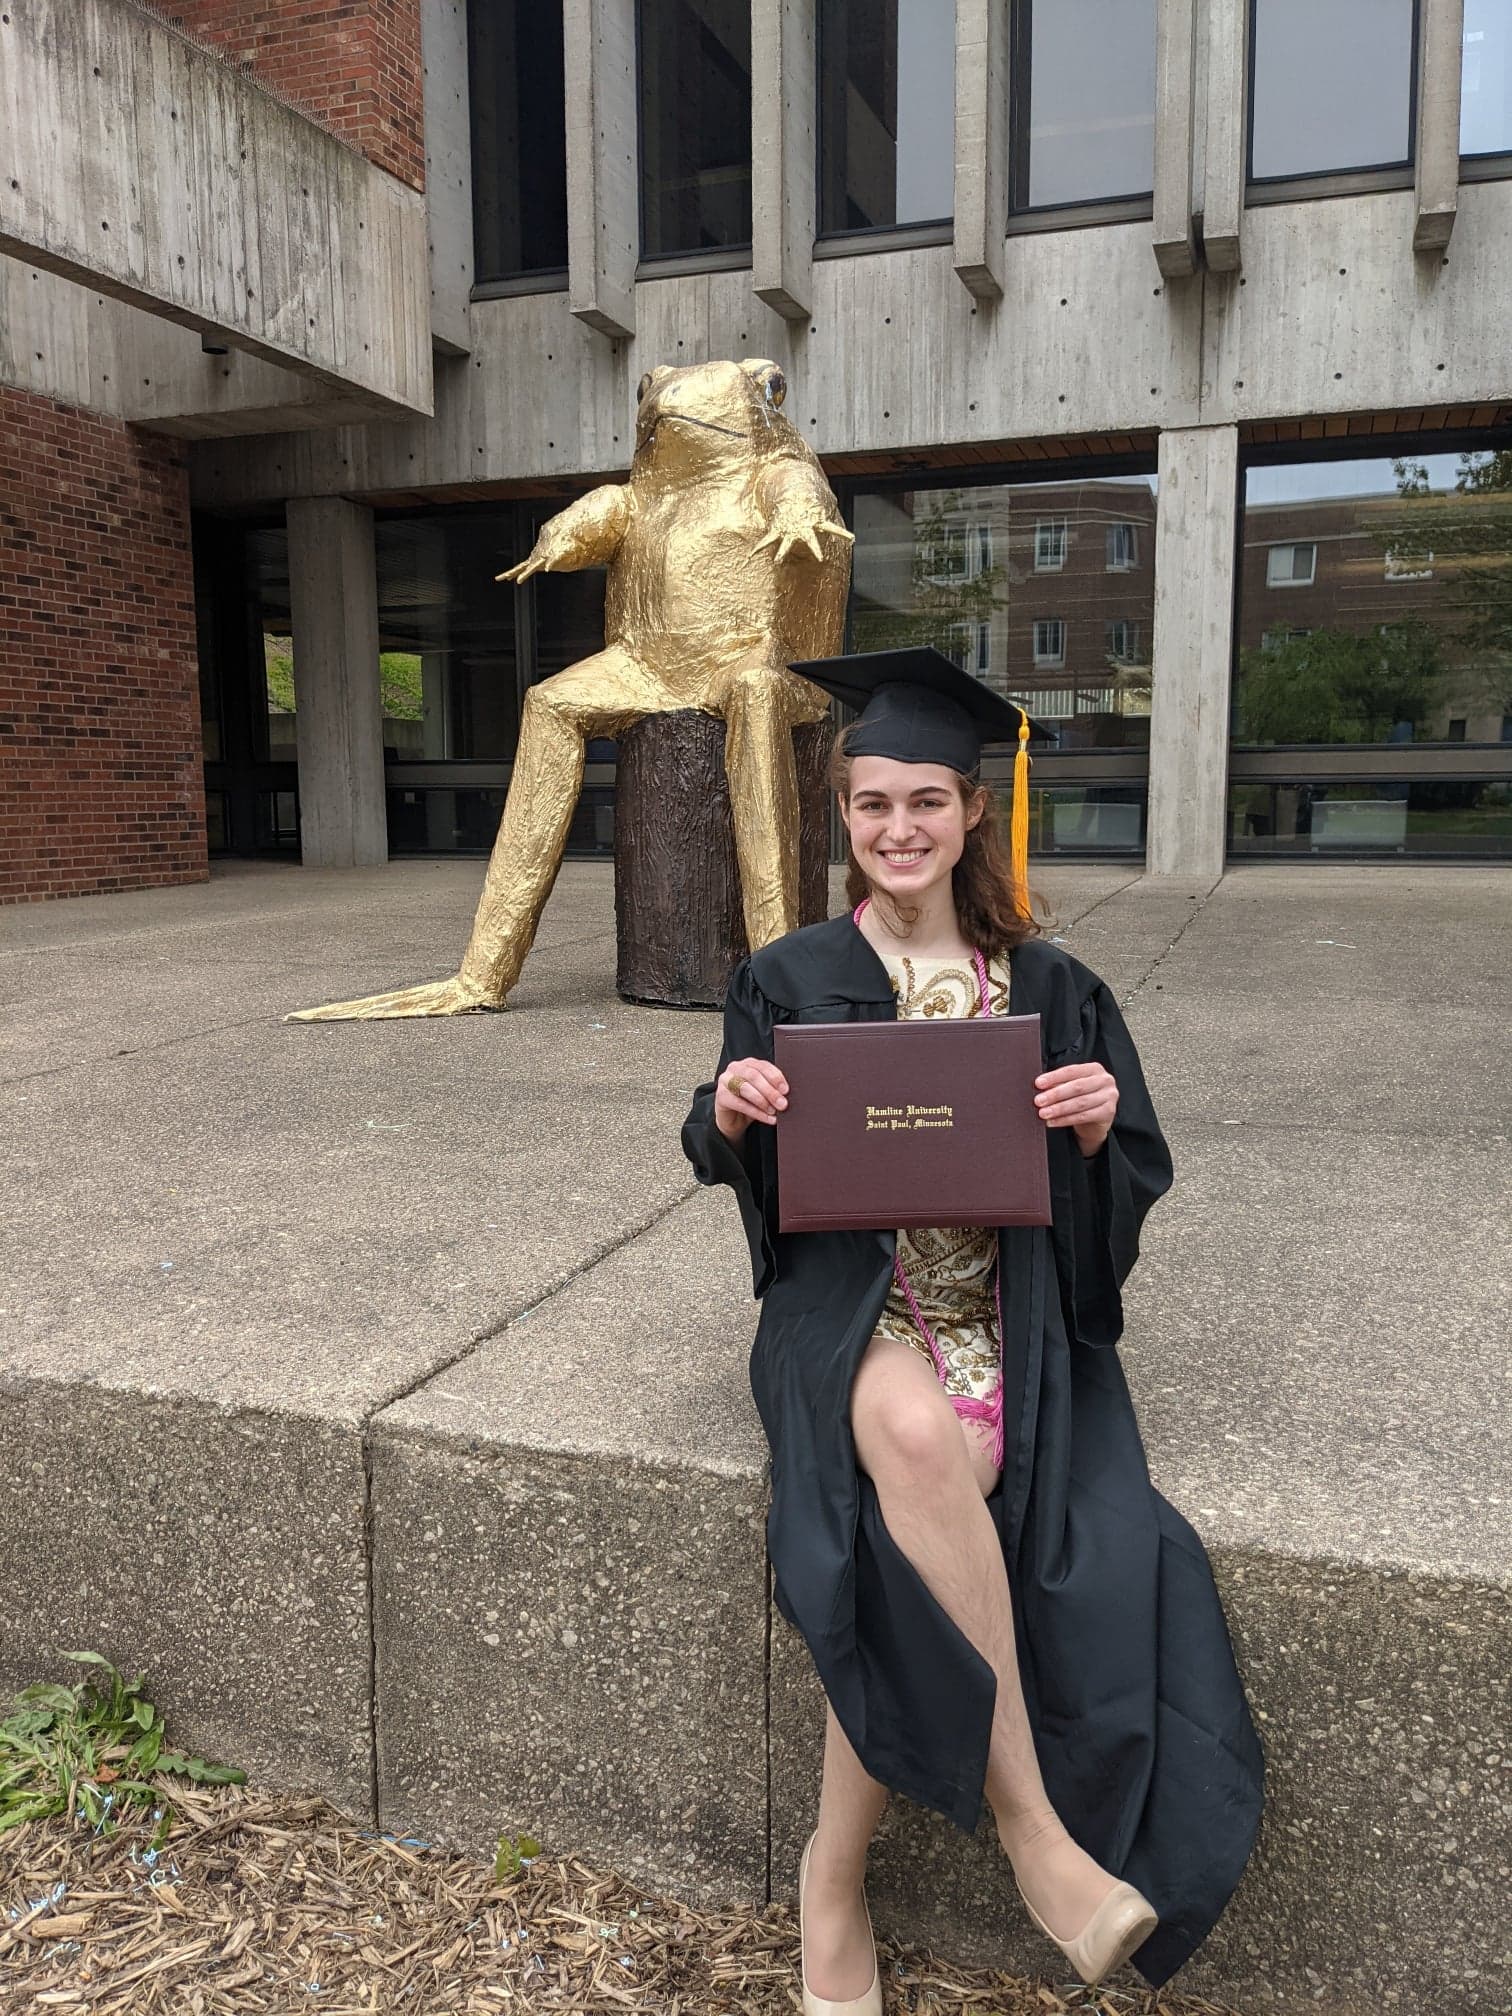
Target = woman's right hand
(748,1089)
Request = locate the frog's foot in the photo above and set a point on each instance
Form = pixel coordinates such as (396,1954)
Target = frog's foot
(455,996)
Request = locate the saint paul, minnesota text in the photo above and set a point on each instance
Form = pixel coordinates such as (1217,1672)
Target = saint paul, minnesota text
(890,1118)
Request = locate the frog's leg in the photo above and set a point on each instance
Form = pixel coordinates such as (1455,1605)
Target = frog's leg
(762,703)
(600,695)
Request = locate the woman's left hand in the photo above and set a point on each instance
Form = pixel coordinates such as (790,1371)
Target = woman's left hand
(1080,1096)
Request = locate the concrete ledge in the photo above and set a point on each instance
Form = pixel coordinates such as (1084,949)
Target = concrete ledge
(222,1549)
(191,192)
(571,1577)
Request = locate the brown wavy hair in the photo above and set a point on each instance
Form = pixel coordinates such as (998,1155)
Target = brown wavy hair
(982,881)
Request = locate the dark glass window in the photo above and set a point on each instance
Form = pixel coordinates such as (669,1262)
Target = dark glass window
(1326,817)
(965,569)
(1375,600)
(450,626)
(1084,101)
(886,155)
(1331,86)
(1486,79)
(519,138)
(695,124)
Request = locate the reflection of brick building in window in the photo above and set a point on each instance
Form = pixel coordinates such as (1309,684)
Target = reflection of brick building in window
(1045,590)
(1342,565)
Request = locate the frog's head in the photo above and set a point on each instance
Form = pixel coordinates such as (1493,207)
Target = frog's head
(691,416)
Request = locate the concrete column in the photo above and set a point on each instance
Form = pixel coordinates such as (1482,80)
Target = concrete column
(448,172)
(1227,107)
(1175,104)
(333,605)
(1440,55)
(784,94)
(981,145)
(603,164)
(1194,635)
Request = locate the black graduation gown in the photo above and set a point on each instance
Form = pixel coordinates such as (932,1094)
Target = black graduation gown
(1140,1720)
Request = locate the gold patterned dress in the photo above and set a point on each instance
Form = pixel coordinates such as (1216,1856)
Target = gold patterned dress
(949,1267)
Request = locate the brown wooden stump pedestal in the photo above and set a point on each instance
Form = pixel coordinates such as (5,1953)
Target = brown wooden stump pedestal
(677,904)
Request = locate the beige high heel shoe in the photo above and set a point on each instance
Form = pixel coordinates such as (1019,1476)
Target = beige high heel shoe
(869,2004)
(1124,1919)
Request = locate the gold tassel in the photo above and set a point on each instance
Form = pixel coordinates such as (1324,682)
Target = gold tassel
(1019,819)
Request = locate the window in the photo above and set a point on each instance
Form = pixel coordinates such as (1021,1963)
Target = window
(971,647)
(1049,545)
(519,138)
(1122,549)
(1050,641)
(1389,655)
(1083,120)
(1331,86)
(909,587)
(694,68)
(1486,79)
(1123,640)
(886,155)
(1291,566)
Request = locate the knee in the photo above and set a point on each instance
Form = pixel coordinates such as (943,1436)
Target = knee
(911,1439)
(748,689)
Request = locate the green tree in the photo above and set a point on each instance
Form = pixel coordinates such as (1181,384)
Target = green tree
(944,593)
(1468,531)
(1334,686)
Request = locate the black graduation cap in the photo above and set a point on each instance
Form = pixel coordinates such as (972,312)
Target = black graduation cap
(917,706)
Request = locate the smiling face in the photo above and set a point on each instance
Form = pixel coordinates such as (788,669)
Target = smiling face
(907,823)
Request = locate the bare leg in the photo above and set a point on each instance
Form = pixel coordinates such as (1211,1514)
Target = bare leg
(837,1950)
(931,1484)
(762,704)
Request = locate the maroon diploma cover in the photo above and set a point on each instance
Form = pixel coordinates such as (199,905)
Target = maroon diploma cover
(894,1124)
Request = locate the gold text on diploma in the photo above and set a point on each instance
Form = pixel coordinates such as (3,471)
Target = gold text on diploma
(890,1118)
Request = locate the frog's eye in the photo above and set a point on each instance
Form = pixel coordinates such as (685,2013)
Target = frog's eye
(776,387)
(643,388)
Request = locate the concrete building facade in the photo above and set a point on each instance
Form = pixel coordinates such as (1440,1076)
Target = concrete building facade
(1159,353)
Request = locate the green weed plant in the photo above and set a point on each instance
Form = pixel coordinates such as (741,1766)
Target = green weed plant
(91,1749)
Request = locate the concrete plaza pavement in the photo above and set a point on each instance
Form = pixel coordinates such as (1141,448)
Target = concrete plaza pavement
(381,1388)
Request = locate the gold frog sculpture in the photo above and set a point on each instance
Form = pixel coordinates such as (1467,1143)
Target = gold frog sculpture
(727,560)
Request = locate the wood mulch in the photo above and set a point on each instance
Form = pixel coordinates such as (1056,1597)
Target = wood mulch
(255,1906)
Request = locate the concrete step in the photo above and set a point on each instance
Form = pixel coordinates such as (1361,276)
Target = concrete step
(417,1461)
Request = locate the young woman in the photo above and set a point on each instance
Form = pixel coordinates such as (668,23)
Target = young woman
(962,1525)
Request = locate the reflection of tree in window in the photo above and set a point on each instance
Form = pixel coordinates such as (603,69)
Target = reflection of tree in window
(951,595)
(1467,533)
(1334,686)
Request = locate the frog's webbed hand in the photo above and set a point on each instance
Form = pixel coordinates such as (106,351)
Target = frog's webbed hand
(586,534)
(797,507)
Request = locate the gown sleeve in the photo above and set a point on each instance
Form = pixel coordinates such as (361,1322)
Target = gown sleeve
(750,1169)
(1112,1190)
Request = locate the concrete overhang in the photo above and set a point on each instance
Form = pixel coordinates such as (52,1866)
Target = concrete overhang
(146,170)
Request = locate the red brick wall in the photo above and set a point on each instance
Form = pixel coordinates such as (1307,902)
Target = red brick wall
(355,63)
(101,785)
